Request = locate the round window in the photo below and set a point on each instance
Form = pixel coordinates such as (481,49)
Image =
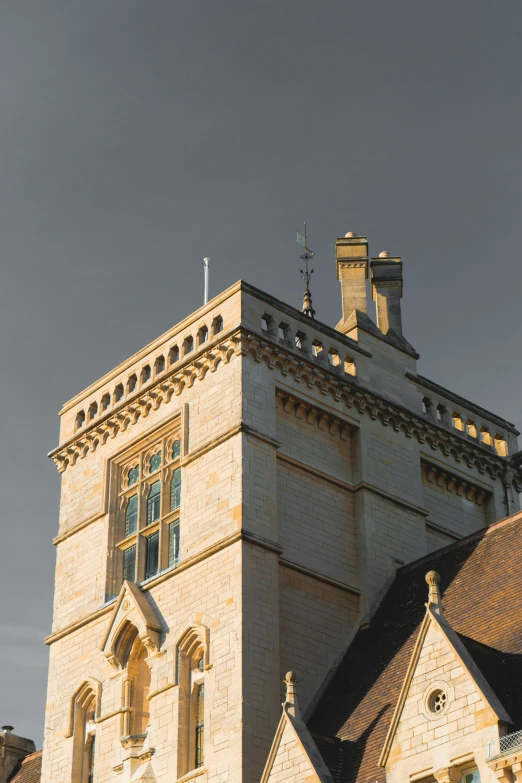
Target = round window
(437,701)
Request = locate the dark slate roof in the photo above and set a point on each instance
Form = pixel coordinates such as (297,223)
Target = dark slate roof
(481,585)
(30,770)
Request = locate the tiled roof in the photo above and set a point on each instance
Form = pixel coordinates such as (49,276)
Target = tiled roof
(30,771)
(481,585)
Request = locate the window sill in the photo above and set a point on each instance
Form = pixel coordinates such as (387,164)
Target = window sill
(194,773)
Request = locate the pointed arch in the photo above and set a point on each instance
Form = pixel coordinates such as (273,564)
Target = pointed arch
(85,705)
(192,638)
(192,664)
(131,611)
(87,688)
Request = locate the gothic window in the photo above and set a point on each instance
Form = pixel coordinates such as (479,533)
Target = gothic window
(191,701)
(132,383)
(200,723)
(131,515)
(154,503)
(135,686)
(84,711)
(147,527)
(175,490)
(80,419)
(134,474)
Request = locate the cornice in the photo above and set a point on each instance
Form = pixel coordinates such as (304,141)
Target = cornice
(458,400)
(144,401)
(348,391)
(304,369)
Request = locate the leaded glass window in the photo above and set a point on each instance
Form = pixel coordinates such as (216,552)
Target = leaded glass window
(131,516)
(154,503)
(175,490)
(173,543)
(152,555)
(91,760)
(200,727)
(149,497)
(129,564)
(134,474)
(155,462)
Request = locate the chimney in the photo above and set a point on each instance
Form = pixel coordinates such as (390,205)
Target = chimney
(13,751)
(351,254)
(387,291)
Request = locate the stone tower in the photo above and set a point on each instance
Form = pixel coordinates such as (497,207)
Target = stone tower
(234,498)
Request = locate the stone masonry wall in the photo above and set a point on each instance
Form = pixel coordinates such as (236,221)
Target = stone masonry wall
(453,512)
(208,592)
(428,740)
(315,622)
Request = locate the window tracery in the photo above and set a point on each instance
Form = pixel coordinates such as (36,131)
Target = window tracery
(147,534)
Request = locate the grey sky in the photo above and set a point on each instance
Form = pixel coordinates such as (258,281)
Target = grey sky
(137,136)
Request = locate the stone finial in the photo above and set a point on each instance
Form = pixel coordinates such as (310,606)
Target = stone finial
(291,697)
(384,254)
(433,580)
(350,234)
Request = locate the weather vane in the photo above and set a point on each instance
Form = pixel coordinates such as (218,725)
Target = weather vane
(306,274)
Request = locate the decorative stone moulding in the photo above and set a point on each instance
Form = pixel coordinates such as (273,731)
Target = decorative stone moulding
(455,484)
(328,380)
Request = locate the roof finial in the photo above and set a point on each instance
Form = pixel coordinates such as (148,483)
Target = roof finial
(433,579)
(291,697)
(307,256)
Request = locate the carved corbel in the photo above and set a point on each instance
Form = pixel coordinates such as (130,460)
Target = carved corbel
(335,426)
(311,416)
(441,479)
(300,411)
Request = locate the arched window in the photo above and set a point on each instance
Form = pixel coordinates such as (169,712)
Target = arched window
(135,686)
(84,712)
(191,719)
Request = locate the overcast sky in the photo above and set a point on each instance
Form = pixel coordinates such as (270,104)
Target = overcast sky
(137,136)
